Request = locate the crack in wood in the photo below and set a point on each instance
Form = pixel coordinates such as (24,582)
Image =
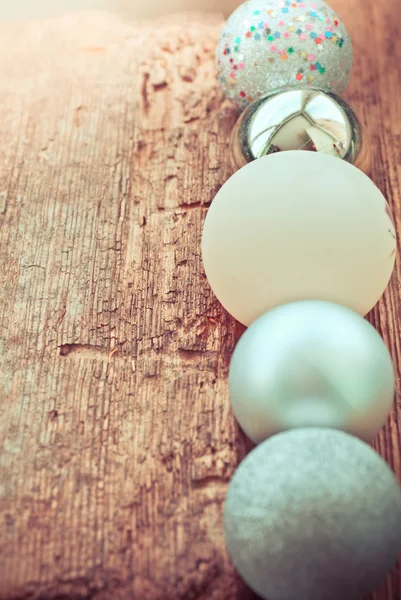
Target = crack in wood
(84,351)
(211,481)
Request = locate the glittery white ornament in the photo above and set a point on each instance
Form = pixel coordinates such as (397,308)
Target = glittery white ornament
(268,44)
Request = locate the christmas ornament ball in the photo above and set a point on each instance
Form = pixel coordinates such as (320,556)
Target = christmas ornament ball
(300,118)
(311,363)
(298,226)
(313,514)
(268,44)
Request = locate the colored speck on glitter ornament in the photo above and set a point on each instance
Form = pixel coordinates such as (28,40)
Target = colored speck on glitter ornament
(261,25)
(310,78)
(248,34)
(256,12)
(313,13)
(302,36)
(311,57)
(322,70)
(253,28)
(288,3)
(336,23)
(242,65)
(312,68)
(270,38)
(242,94)
(284,57)
(309,27)
(286,35)
(238,40)
(341,42)
(318,41)
(277,35)
(299,76)
(313,35)
(236,48)
(290,50)
(235,68)
(318,66)
(329,35)
(273,48)
(299,31)
(285,10)
(257,36)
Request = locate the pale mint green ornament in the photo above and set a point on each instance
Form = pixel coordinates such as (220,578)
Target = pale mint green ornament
(311,363)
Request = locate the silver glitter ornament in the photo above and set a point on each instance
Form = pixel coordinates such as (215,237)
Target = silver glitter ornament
(269,44)
(313,514)
(299,119)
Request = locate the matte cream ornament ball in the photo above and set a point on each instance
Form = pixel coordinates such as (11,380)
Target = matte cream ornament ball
(298,226)
(268,44)
(313,514)
(311,363)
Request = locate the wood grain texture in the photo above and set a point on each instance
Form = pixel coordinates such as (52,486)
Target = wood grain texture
(117,440)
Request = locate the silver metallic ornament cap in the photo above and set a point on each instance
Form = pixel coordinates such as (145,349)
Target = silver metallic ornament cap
(301,118)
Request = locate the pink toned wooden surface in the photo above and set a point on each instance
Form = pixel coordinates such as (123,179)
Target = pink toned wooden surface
(117,440)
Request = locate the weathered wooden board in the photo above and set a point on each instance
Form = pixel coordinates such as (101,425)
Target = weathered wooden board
(117,440)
